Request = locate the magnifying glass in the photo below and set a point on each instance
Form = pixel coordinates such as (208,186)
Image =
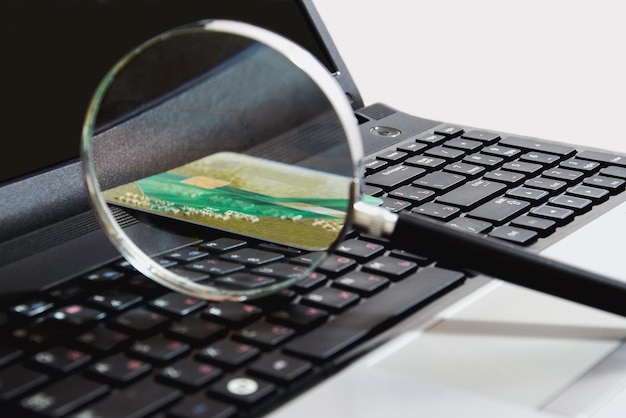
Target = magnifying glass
(240,142)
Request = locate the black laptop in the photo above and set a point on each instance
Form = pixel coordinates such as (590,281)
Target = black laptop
(83,335)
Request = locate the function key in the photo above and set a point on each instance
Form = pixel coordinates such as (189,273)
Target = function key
(536,145)
(449,130)
(482,136)
(603,157)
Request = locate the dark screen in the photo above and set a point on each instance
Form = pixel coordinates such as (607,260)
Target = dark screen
(55,52)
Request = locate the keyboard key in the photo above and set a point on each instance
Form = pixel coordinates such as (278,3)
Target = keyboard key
(472,194)
(330,299)
(252,256)
(263,334)
(394,177)
(450,154)
(232,313)
(612,184)
(540,158)
(299,317)
(563,174)
(501,151)
(428,163)
(603,157)
(395,205)
(580,165)
(449,130)
(118,370)
(542,226)
(16,380)
(535,145)
(176,305)
(360,250)
(393,156)
(102,340)
(527,193)
(578,204)
(412,194)
(136,401)
(59,359)
(504,176)
(559,215)
(215,267)
(158,350)
(77,316)
(360,322)
(201,406)
(594,193)
(196,331)
(140,322)
(279,368)
(30,308)
(221,245)
(411,147)
(470,225)
(64,396)
(187,255)
(485,160)
(391,267)
(544,183)
(499,210)
(440,181)
(522,167)
(362,283)
(228,354)
(514,234)
(242,389)
(430,138)
(482,136)
(113,300)
(189,375)
(463,144)
(614,171)
(335,265)
(465,169)
(439,211)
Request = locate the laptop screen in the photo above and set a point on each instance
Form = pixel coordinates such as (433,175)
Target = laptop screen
(57,51)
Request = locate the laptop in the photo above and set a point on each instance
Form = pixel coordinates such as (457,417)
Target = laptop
(374,330)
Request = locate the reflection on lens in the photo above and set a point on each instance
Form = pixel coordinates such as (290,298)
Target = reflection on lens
(221,131)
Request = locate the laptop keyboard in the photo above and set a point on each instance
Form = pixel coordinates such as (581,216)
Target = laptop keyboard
(112,343)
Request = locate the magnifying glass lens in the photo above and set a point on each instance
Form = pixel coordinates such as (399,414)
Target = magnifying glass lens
(220,160)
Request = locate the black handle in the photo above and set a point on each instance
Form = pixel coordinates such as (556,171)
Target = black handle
(504,261)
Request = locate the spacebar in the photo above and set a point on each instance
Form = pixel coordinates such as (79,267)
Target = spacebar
(353,326)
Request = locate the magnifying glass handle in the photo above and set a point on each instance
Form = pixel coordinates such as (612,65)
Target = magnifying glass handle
(500,260)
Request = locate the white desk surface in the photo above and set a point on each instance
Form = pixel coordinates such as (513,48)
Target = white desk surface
(549,69)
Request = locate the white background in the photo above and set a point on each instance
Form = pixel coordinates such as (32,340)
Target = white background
(552,69)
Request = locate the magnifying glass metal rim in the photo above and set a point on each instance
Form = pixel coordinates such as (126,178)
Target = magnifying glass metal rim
(297,55)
